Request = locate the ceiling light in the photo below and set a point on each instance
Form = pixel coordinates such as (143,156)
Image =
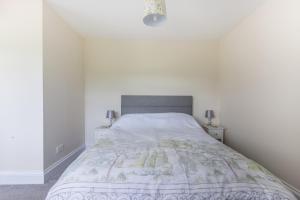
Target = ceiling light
(155,12)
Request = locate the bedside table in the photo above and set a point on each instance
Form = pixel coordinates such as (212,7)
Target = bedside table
(101,132)
(216,132)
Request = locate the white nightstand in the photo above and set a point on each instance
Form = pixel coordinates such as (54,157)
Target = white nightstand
(102,132)
(216,132)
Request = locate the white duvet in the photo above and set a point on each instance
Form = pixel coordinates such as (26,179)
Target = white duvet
(164,157)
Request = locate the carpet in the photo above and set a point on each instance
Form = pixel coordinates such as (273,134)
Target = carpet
(25,192)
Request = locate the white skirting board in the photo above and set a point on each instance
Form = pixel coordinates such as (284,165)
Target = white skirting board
(57,168)
(21,177)
(39,177)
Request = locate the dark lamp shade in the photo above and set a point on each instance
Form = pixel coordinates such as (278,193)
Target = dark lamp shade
(110,114)
(209,114)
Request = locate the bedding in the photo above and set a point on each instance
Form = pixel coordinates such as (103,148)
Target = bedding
(156,121)
(164,162)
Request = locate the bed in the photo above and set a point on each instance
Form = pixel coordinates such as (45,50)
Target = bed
(157,151)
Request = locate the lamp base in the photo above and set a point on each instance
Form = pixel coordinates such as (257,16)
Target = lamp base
(110,123)
(209,123)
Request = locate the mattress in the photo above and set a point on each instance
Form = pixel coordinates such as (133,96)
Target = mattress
(165,164)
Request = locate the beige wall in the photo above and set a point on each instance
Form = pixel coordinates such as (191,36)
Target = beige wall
(260,86)
(63,88)
(139,67)
(21,108)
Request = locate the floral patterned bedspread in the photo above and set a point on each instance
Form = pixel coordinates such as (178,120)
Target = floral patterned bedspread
(165,165)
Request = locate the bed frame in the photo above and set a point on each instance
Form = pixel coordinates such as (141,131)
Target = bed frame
(131,104)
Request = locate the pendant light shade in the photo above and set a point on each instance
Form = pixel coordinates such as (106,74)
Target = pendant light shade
(155,12)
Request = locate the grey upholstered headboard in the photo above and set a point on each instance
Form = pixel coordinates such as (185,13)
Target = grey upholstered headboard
(156,104)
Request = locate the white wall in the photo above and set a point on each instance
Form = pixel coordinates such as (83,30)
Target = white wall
(145,67)
(260,86)
(63,88)
(21,86)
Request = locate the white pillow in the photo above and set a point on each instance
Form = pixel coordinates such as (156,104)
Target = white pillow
(157,121)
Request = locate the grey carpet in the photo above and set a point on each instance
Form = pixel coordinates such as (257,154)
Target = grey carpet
(25,192)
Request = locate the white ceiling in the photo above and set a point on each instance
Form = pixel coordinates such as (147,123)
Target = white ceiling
(187,19)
